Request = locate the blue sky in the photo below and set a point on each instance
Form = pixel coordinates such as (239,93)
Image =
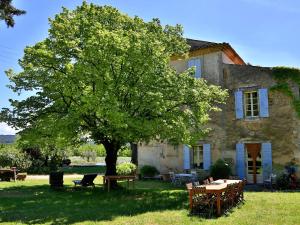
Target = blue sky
(263,32)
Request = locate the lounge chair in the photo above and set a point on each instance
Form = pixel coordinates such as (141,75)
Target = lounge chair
(87,180)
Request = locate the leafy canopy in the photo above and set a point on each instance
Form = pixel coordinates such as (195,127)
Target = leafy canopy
(107,74)
(8,11)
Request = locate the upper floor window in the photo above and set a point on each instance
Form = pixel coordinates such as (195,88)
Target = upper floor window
(251,104)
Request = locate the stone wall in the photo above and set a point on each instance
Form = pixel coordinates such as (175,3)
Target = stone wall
(281,128)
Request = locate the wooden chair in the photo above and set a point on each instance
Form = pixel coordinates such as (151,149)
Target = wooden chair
(206,181)
(87,180)
(211,179)
(202,203)
(228,197)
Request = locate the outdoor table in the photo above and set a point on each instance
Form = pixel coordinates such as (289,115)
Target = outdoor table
(107,179)
(183,176)
(217,187)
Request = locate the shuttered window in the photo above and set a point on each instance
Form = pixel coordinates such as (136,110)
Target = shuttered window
(251,108)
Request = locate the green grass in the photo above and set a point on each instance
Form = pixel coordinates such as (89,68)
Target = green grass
(83,169)
(152,202)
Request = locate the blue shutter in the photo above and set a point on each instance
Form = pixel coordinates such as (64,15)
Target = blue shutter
(240,160)
(239,111)
(266,159)
(197,63)
(206,156)
(263,103)
(186,158)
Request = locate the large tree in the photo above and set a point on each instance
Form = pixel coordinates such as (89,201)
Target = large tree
(103,73)
(8,11)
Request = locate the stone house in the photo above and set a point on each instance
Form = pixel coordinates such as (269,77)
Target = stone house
(257,130)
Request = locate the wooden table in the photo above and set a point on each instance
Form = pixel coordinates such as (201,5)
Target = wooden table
(11,171)
(217,188)
(107,179)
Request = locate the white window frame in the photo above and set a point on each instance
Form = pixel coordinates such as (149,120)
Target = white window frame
(251,104)
(198,150)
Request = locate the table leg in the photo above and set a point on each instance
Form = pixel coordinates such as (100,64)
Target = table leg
(133,183)
(108,185)
(191,199)
(218,204)
(127,183)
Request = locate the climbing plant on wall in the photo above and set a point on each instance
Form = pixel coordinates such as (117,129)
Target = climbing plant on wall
(283,76)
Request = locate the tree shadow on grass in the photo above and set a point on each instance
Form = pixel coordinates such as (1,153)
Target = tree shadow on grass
(40,204)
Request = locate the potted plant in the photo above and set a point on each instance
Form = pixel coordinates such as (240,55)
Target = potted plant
(56,177)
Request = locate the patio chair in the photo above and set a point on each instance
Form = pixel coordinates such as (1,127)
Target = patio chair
(206,181)
(211,179)
(194,177)
(203,203)
(271,181)
(174,180)
(228,197)
(87,180)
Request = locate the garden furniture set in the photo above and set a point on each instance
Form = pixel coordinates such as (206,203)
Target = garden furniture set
(216,196)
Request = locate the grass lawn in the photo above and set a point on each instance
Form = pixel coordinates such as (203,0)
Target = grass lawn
(152,202)
(83,169)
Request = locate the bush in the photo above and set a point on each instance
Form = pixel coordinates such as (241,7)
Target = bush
(282,181)
(12,157)
(220,170)
(125,152)
(148,171)
(126,168)
(66,162)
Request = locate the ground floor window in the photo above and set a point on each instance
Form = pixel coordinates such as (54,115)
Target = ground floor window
(197,156)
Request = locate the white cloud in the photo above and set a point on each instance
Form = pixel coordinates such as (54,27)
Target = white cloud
(5,129)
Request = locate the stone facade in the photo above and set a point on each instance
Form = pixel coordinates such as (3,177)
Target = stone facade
(280,129)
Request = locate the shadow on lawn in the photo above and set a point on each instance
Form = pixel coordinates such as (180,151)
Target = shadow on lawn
(39,204)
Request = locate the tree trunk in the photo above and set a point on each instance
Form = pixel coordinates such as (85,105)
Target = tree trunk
(134,153)
(111,148)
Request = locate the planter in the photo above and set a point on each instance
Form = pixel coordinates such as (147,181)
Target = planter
(56,179)
(166,177)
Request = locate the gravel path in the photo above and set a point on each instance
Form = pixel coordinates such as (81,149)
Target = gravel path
(38,177)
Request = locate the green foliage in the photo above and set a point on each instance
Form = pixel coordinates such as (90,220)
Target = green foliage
(126,168)
(220,170)
(10,156)
(282,181)
(148,171)
(103,73)
(124,152)
(98,150)
(8,11)
(283,76)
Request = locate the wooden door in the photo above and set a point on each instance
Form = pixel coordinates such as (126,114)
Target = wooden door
(253,161)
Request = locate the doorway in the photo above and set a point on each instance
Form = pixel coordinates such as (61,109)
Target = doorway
(254,165)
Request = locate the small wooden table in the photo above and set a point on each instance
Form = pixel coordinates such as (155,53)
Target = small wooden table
(107,179)
(217,189)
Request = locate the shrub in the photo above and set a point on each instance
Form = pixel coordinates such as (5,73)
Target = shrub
(12,157)
(126,168)
(220,170)
(125,152)
(148,171)
(282,181)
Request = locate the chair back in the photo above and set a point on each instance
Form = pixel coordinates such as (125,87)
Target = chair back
(88,179)
(206,181)
(189,186)
(211,179)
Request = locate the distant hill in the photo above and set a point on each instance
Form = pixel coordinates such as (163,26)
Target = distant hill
(7,139)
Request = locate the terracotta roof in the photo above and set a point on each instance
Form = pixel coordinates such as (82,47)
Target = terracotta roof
(198,46)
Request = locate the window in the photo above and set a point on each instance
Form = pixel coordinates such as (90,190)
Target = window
(251,104)
(198,156)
